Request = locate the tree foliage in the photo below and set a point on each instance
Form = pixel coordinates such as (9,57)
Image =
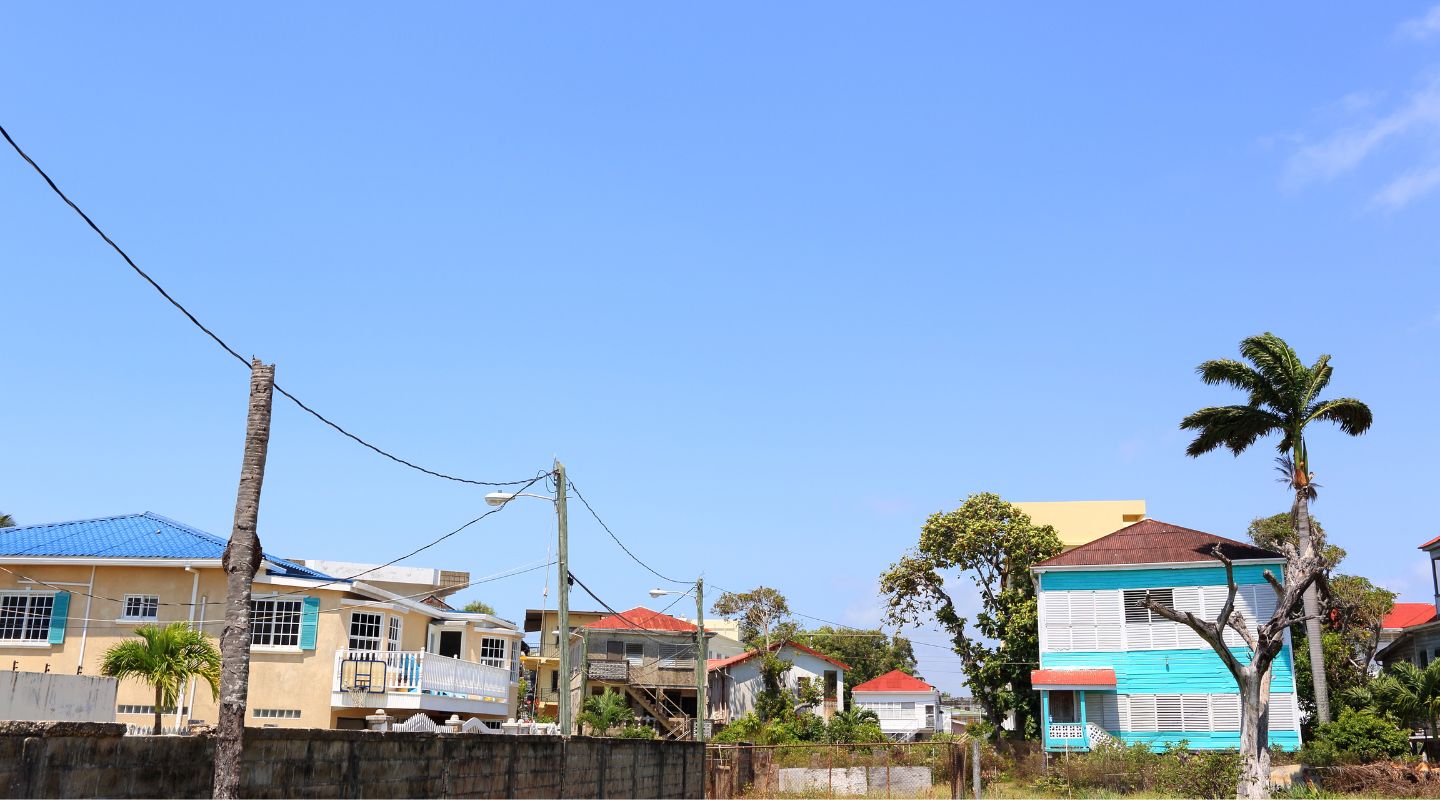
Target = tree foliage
(165,657)
(479,607)
(605,712)
(6,521)
(995,544)
(759,611)
(869,653)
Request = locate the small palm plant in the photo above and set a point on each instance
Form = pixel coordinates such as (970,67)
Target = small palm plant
(604,712)
(166,657)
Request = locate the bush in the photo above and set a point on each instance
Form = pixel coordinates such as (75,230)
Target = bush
(1178,771)
(1208,773)
(637,732)
(1358,737)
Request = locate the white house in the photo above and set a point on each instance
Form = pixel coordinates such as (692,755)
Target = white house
(735,681)
(908,707)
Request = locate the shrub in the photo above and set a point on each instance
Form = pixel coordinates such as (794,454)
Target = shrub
(1360,736)
(1117,768)
(1207,773)
(637,732)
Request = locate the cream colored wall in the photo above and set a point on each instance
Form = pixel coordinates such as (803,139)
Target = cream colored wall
(296,679)
(1082,521)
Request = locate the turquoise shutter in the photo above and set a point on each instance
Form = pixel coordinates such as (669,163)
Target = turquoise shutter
(58,612)
(309,618)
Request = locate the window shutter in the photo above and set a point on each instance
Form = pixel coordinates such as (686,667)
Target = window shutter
(1169,715)
(1082,621)
(58,612)
(1109,621)
(309,620)
(1225,709)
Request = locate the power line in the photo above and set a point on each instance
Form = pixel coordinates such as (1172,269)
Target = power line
(627,550)
(226,347)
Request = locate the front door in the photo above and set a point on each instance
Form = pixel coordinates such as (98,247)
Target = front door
(1062,707)
(450,643)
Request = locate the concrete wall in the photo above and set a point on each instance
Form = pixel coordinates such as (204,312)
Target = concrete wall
(83,760)
(48,696)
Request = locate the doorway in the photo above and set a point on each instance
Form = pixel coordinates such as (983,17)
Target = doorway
(451,643)
(1062,707)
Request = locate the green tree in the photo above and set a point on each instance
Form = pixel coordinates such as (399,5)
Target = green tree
(854,725)
(773,702)
(605,712)
(995,543)
(869,653)
(479,607)
(166,657)
(1283,399)
(1405,693)
(759,611)
(6,521)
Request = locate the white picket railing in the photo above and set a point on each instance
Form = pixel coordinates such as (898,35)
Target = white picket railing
(419,672)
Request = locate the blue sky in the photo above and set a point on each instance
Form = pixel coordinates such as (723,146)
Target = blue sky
(775,282)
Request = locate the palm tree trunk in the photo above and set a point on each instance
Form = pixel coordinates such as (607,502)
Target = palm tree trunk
(241,560)
(159,715)
(1301,519)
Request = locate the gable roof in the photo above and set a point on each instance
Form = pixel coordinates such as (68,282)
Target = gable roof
(1430,544)
(129,536)
(1405,615)
(641,618)
(1151,541)
(894,681)
(721,663)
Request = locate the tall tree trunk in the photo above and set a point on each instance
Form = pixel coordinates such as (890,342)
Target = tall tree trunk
(1254,736)
(1300,514)
(241,560)
(159,716)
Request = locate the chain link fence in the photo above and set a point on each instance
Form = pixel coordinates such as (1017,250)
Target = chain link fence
(889,769)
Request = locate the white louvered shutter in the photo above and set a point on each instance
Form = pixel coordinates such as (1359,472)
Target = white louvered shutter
(1142,713)
(1102,709)
(1082,621)
(1189,599)
(1197,712)
(1282,712)
(1225,712)
(1169,712)
(1057,621)
(1109,622)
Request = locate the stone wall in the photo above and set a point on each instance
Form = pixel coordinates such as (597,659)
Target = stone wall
(84,760)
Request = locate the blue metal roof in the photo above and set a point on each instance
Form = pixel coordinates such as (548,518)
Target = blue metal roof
(144,535)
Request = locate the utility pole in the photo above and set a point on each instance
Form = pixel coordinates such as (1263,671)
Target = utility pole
(240,561)
(563,559)
(701,673)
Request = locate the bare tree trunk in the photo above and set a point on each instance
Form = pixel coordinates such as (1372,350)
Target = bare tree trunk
(1254,737)
(241,560)
(1300,514)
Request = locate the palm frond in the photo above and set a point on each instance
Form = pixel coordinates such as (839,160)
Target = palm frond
(1320,373)
(1353,416)
(1232,427)
(1276,361)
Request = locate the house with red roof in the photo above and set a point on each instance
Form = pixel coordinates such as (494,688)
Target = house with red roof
(647,656)
(1111,669)
(735,682)
(908,708)
(1411,631)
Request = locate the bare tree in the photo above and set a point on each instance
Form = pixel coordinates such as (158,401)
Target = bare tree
(241,560)
(1252,675)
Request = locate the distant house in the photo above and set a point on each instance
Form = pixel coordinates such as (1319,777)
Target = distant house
(1110,668)
(543,661)
(645,655)
(1411,631)
(325,650)
(908,708)
(735,682)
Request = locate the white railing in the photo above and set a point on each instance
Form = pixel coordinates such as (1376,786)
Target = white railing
(416,671)
(1067,730)
(1097,734)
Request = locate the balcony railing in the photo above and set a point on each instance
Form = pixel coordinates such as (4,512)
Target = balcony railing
(418,672)
(609,671)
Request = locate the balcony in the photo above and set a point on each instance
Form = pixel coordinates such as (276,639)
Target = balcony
(618,671)
(414,679)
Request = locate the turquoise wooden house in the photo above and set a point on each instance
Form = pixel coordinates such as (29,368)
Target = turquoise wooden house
(1110,669)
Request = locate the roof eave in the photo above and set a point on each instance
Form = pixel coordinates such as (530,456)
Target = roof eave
(1038,568)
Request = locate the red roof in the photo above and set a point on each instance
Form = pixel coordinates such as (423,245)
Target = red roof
(641,618)
(1041,678)
(1405,615)
(1151,541)
(721,663)
(894,681)
(1430,543)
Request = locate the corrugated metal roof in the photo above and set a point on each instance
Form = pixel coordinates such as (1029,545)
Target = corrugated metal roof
(1154,542)
(721,663)
(1405,615)
(146,535)
(641,618)
(1040,678)
(894,681)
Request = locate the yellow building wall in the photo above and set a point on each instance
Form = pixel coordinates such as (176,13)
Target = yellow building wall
(1081,521)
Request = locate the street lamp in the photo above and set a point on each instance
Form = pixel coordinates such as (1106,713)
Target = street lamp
(563,559)
(701,674)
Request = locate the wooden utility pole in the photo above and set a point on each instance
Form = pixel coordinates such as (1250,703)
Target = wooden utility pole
(241,560)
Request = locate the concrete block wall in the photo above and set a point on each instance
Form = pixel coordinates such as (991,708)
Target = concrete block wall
(85,760)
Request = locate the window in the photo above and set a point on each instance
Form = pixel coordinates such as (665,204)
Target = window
(1136,612)
(635,653)
(392,642)
(277,713)
(492,652)
(364,630)
(141,606)
(676,656)
(555,681)
(131,709)
(1080,620)
(25,616)
(275,623)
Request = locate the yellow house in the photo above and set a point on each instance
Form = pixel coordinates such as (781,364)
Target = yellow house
(325,650)
(1082,521)
(544,660)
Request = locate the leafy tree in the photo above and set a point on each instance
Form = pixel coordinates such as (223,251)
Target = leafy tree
(854,726)
(1283,398)
(166,657)
(758,610)
(869,653)
(6,521)
(1363,736)
(479,607)
(605,712)
(996,544)
(773,702)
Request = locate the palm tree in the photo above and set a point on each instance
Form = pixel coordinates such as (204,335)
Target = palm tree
(1284,398)
(604,712)
(1406,693)
(166,657)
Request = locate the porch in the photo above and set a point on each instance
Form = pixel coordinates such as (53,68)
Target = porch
(1065,699)
(415,679)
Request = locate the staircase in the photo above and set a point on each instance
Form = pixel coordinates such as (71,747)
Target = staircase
(1098,735)
(674,723)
